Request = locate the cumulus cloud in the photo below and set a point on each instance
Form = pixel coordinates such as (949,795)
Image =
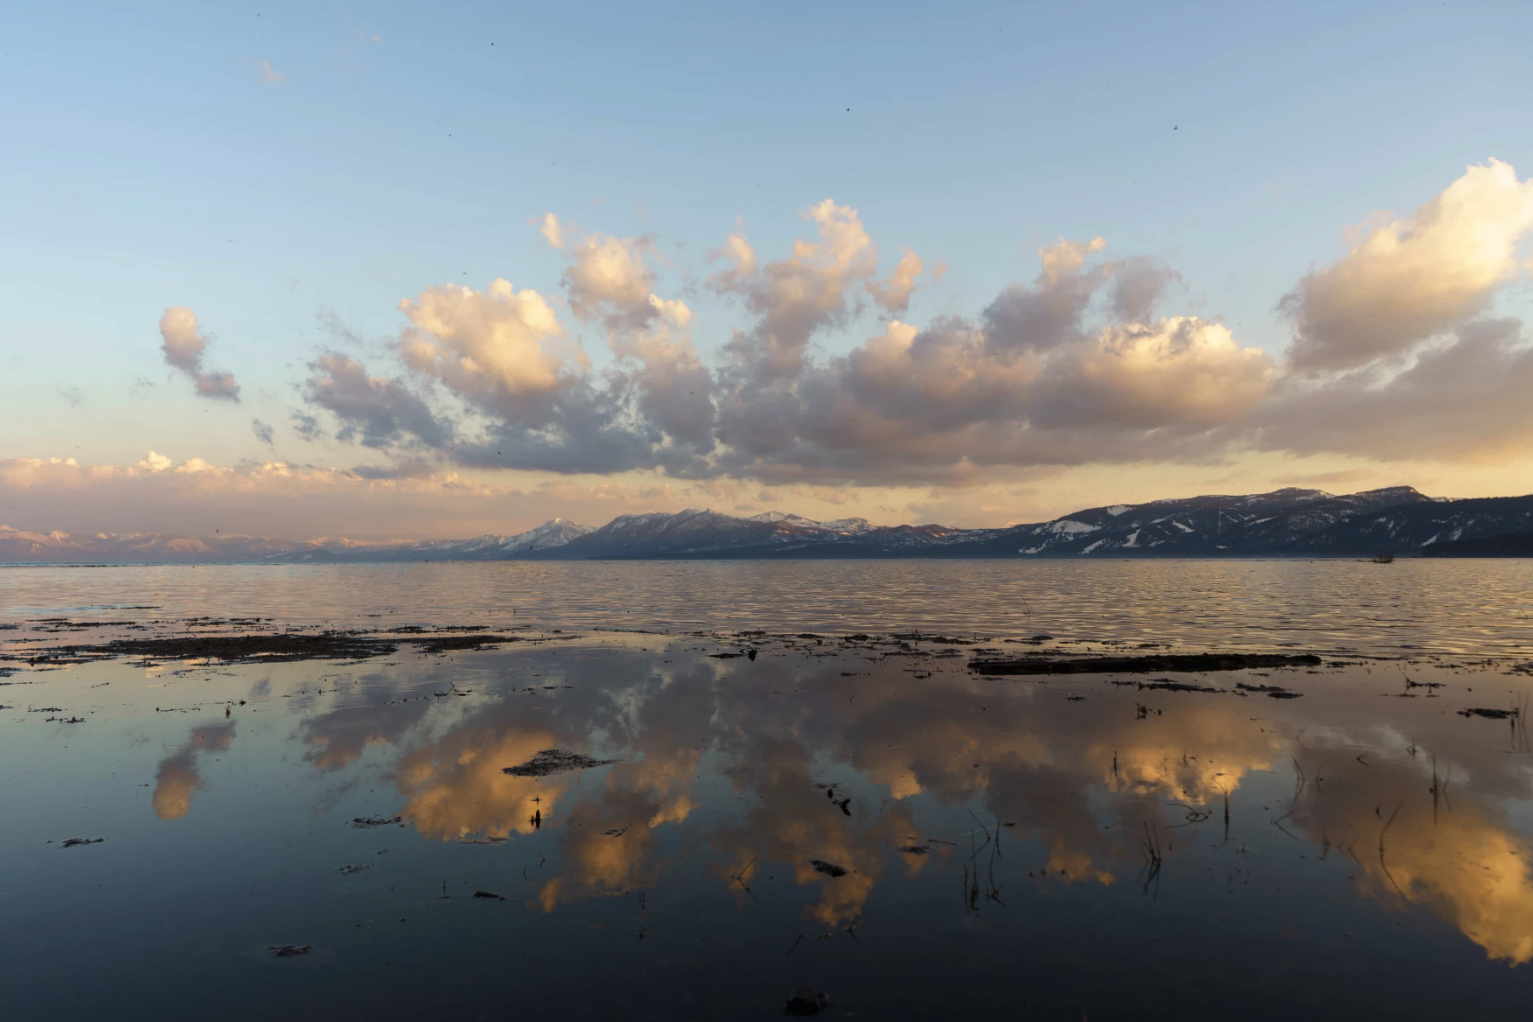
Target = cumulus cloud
(552,230)
(1086,363)
(496,348)
(1394,356)
(939,405)
(533,397)
(377,412)
(1178,373)
(183,344)
(1029,383)
(1139,284)
(610,278)
(1049,311)
(668,389)
(1413,278)
(1463,398)
(814,288)
(1066,369)
(894,294)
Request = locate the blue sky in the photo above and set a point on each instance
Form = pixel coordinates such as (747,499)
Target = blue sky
(152,158)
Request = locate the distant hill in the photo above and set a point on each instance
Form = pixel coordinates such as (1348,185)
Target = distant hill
(773,534)
(20,547)
(1284,523)
(1510,544)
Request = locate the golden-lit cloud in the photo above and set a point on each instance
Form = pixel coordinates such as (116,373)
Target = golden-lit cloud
(609,841)
(1408,279)
(496,348)
(1458,859)
(795,824)
(552,230)
(177,779)
(458,787)
(796,297)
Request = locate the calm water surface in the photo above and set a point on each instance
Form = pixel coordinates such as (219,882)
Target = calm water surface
(869,819)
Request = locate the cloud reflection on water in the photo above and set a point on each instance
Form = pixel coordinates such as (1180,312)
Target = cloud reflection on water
(177,779)
(1072,785)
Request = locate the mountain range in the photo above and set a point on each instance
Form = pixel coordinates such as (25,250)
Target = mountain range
(1398,521)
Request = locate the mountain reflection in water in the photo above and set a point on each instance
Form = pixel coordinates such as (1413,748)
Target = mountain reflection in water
(879,822)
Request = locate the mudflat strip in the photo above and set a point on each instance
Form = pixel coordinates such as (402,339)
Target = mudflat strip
(1146,664)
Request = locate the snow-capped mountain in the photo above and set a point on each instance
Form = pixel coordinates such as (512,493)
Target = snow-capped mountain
(693,533)
(548,536)
(1290,522)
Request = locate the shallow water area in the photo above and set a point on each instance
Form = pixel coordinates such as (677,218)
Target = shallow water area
(597,823)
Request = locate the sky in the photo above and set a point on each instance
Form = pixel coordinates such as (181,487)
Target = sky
(409,271)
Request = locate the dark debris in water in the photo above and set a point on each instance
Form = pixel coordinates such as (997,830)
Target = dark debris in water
(830,869)
(935,640)
(554,761)
(1146,664)
(289,950)
(1271,691)
(449,643)
(1490,714)
(368,822)
(278,647)
(490,894)
(1169,685)
(71,842)
(806,1002)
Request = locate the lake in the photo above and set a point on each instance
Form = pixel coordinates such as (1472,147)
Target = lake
(727,789)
